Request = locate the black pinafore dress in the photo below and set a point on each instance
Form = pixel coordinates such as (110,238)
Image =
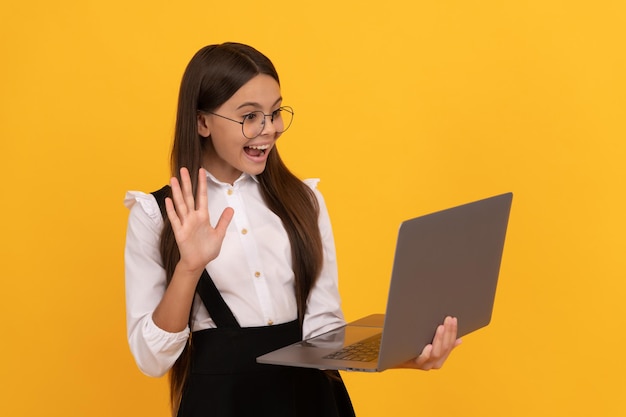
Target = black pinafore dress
(226,381)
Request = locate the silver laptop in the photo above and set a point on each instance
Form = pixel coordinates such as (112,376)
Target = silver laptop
(446,264)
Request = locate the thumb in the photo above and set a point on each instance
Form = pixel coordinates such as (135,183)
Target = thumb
(224,221)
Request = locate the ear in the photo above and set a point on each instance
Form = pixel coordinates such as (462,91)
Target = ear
(203,127)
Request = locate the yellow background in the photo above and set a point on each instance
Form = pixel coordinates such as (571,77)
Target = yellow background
(402,108)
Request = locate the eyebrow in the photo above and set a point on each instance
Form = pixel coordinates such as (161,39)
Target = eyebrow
(258,105)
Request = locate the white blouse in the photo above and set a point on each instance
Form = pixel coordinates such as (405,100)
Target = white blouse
(252,272)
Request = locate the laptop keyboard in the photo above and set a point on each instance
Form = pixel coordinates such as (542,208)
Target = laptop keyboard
(365,350)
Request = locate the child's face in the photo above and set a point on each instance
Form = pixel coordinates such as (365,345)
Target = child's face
(230,153)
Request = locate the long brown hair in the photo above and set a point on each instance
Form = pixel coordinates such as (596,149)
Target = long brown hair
(212,76)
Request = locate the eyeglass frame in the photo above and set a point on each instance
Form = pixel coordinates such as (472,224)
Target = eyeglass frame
(271,116)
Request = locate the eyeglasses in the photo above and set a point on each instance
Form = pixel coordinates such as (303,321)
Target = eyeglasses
(254,122)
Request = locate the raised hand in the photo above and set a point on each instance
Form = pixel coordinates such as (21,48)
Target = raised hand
(199,243)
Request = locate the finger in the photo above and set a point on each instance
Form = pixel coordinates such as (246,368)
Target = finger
(223,222)
(171,213)
(423,360)
(448,335)
(201,195)
(438,341)
(448,340)
(451,332)
(177,198)
(187,189)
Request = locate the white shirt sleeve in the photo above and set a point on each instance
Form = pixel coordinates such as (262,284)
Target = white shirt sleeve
(154,349)
(324,306)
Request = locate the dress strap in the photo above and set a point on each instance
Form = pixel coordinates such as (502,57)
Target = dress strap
(160,195)
(214,302)
(219,311)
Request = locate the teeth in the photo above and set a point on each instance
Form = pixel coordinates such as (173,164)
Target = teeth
(261,147)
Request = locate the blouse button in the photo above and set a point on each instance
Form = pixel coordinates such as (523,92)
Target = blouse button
(230,191)
(270,322)
(244,231)
(257,274)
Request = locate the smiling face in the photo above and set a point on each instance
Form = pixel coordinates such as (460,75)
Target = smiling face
(228,152)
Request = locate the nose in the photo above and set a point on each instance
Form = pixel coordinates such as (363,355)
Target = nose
(268,126)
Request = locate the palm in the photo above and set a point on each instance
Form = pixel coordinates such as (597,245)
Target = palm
(198,242)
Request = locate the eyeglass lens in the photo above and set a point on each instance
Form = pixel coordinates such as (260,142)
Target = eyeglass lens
(254,122)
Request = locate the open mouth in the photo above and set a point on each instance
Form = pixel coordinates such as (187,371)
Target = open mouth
(254,150)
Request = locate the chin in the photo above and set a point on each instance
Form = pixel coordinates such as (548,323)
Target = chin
(256,171)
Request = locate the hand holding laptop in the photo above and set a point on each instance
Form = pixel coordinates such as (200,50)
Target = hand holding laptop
(435,354)
(446,265)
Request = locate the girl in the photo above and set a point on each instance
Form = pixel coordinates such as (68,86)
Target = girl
(204,297)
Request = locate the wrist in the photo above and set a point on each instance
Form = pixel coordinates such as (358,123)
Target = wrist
(188,271)
(185,279)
